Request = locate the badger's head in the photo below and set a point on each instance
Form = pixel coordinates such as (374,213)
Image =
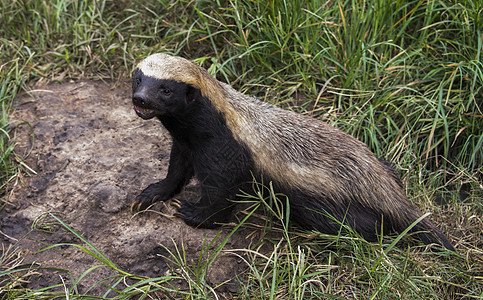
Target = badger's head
(165,85)
(157,97)
(157,92)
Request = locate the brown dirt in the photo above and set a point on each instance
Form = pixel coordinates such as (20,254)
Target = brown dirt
(92,156)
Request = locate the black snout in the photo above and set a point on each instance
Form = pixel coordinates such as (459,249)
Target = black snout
(140,99)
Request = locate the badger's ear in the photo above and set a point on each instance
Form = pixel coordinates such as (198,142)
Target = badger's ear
(192,93)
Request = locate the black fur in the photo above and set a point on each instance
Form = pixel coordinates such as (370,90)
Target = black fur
(203,146)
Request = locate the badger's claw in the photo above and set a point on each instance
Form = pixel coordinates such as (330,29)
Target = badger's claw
(179,215)
(141,203)
(135,206)
(176,203)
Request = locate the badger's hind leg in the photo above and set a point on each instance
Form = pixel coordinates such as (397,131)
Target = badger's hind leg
(212,210)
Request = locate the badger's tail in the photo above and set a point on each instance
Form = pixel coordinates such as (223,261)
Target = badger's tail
(429,234)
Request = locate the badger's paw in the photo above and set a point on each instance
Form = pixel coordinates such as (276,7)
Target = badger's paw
(197,216)
(152,194)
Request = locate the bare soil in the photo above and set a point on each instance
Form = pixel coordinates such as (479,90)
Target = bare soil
(92,155)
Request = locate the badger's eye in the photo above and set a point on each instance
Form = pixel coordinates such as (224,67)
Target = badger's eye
(138,81)
(166,91)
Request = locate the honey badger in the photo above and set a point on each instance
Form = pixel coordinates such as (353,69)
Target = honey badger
(225,139)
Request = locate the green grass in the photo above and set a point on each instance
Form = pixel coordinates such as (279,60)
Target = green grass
(11,164)
(405,77)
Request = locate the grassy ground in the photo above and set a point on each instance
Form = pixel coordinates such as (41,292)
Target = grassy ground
(405,77)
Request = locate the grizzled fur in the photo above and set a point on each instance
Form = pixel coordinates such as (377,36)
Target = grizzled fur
(224,138)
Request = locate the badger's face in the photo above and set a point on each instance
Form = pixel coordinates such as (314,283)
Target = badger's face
(157,97)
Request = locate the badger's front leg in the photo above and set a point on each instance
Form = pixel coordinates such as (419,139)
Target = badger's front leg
(212,209)
(180,171)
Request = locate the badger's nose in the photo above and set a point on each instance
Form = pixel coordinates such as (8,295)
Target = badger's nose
(139,99)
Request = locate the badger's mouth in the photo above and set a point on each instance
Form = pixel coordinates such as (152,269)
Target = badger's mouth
(144,113)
